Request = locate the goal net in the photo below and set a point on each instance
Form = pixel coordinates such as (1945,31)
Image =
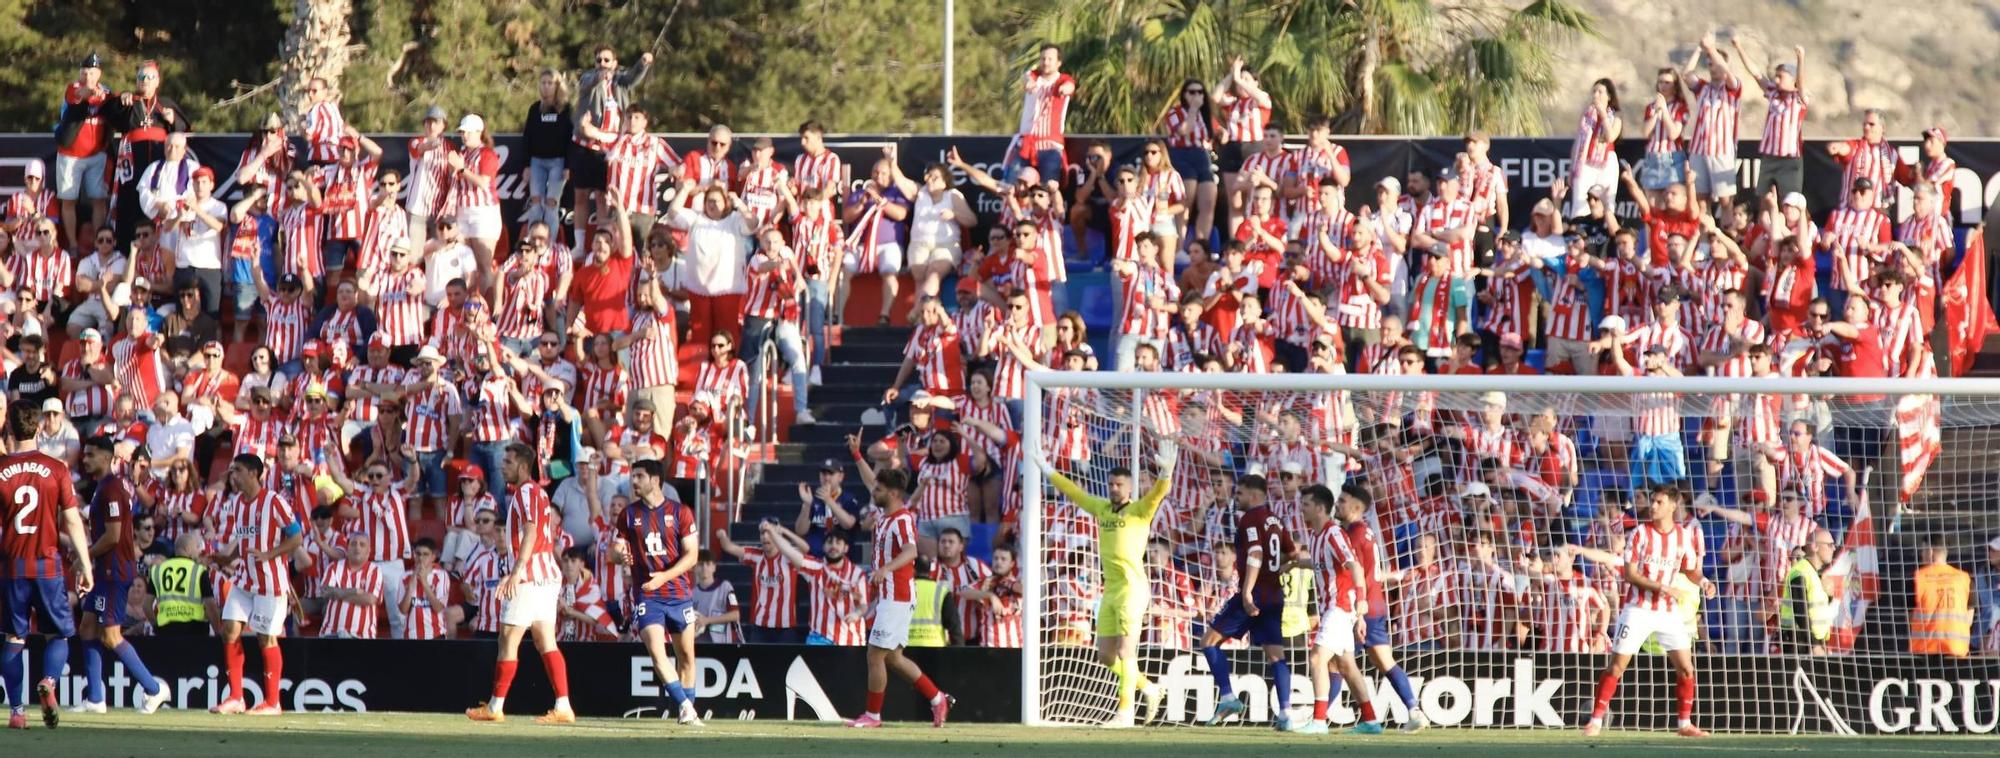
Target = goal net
(1503,507)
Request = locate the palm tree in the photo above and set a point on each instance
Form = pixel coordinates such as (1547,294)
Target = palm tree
(1377,66)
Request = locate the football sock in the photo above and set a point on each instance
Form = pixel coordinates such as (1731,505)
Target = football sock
(1319,710)
(1128,684)
(129,656)
(55,657)
(503,678)
(10,669)
(1684,697)
(232,657)
(1401,682)
(1607,688)
(1281,675)
(925,688)
(674,692)
(558,672)
(1218,667)
(1367,709)
(875,703)
(274,672)
(93,673)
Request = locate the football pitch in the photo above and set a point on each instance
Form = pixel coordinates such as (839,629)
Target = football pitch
(366,735)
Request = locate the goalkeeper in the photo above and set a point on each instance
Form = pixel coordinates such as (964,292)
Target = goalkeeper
(1123,526)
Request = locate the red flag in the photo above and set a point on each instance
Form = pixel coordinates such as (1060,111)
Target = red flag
(1852,580)
(1966,309)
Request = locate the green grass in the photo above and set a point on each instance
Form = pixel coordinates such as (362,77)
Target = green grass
(353,735)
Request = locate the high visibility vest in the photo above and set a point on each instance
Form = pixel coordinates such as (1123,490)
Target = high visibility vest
(1941,623)
(177,584)
(1819,606)
(1297,618)
(927,615)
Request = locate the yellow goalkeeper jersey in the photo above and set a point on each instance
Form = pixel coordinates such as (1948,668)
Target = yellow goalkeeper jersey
(1121,531)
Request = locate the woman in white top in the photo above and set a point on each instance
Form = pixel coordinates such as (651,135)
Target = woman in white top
(939,218)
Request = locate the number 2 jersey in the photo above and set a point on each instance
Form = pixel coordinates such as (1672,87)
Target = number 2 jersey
(34,491)
(653,535)
(1259,531)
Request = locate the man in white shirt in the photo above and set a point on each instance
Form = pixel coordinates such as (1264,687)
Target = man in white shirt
(195,237)
(445,259)
(170,438)
(717,256)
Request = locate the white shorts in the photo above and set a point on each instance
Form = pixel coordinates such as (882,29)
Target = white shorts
(1336,631)
(263,614)
(81,178)
(479,223)
(532,603)
(888,260)
(1635,625)
(892,624)
(924,255)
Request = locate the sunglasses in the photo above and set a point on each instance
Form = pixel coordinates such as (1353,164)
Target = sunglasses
(1152,152)
(483,521)
(549,343)
(1197,92)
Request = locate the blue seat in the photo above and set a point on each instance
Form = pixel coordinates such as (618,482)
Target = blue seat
(1534,358)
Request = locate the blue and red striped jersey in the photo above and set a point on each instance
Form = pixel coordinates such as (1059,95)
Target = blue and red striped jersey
(34,491)
(654,535)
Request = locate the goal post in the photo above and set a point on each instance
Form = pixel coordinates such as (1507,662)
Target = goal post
(1502,505)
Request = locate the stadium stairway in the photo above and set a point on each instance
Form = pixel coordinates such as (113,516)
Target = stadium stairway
(861,362)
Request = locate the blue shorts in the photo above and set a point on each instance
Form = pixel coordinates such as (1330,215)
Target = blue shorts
(48,596)
(106,600)
(1662,170)
(1266,629)
(1378,631)
(1048,163)
(1192,163)
(1659,459)
(430,473)
(675,615)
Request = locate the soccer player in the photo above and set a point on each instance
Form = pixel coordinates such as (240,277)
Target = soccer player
(117,559)
(258,529)
(662,580)
(529,591)
(895,577)
(1352,513)
(1123,525)
(36,499)
(1258,607)
(1343,590)
(1658,549)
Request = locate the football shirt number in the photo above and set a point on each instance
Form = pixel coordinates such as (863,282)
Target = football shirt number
(25,501)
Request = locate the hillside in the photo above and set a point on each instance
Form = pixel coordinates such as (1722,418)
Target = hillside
(1922,63)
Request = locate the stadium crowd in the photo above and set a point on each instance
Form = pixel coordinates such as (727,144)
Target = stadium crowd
(396,348)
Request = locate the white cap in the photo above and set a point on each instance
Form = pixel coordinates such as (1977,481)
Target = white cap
(1794,198)
(53,405)
(472,123)
(1994,545)
(1493,398)
(1614,322)
(1292,467)
(35,169)
(1390,182)
(1474,489)
(429,353)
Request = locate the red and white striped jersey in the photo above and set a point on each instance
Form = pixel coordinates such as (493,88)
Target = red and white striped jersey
(1715,112)
(1330,555)
(774,598)
(522,300)
(1197,135)
(1010,375)
(632,165)
(1760,419)
(1439,215)
(773,294)
(170,511)
(1677,340)
(427,412)
(1325,235)
(399,303)
(531,526)
(1244,120)
(1481,442)
(1658,556)
(1847,230)
(1147,284)
(1421,597)
(299,241)
(1483,597)
(490,404)
(46,272)
(285,325)
(586,596)
(348,618)
(1665,119)
(654,363)
(1776,537)
(1566,616)
(1716,276)
(1313,167)
(1513,292)
(23,208)
(344,193)
(1044,109)
(383,517)
(1809,471)
(1654,414)
(477,192)
(603,386)
(894,533)
(1003,613)
(257,524)
(1902,328)
(1784,121)
(838,593)
(1930,235)
(969,574)
(730,382)
(760,193)
(707,169)
(1592,146)
(1276,164)
(1160,189)
(424,622)
(429,179)
(940,486)
(456,508)
(94,400)
(482,573)
(810,172)
(1716,340)
(1173,590)
(382,226)
(324,127)
(1485,188)
(1877,162)
(1569,311)
(1251,341)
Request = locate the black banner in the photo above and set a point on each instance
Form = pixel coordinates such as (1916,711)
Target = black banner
(789,682)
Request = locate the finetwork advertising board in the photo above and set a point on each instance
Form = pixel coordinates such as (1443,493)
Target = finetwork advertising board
(1889,694)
